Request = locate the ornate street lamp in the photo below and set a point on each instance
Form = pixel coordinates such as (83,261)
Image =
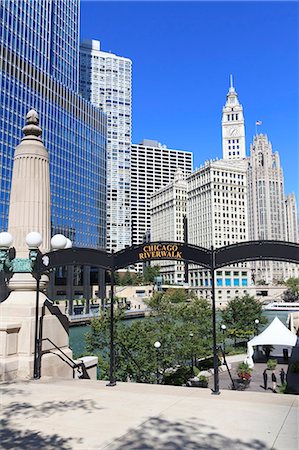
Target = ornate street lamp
(10,264)
(223,328)
(192,359)
(257,326)
(157,346)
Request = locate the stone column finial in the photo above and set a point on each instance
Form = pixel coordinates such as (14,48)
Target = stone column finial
(31,128)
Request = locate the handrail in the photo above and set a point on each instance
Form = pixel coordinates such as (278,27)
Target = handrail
(69,361)
(228,369)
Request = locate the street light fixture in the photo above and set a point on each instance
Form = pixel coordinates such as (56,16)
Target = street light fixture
(9,263)
(58,242)
(192,361)
(157,345)
(223,328)
(256,326)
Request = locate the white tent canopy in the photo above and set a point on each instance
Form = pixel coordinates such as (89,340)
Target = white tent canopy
(275,334)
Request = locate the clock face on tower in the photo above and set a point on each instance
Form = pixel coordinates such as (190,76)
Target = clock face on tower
(233,131)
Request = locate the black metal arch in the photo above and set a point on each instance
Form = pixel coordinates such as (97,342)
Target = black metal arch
(210,259)
(257,250)
(73,256)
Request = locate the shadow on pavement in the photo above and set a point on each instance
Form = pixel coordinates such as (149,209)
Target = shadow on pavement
(161,434)
(13,438)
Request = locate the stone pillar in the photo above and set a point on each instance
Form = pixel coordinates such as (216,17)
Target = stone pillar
(30,211)
(29,207)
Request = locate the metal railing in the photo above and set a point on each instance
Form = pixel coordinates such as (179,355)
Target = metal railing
(79,367)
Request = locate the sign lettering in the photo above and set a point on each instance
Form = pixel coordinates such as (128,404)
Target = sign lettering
(157,251)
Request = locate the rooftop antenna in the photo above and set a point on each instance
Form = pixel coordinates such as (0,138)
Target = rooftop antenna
(231,81)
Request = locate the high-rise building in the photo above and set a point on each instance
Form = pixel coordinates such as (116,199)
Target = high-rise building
(106,81)
(153,166)
(168,211)
(39,57)
(292,218)
(217,215)
(233,126)
(267,206)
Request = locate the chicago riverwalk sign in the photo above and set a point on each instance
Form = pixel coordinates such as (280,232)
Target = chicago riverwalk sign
(208,258)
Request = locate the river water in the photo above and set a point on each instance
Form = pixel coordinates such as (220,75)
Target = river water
(77,341)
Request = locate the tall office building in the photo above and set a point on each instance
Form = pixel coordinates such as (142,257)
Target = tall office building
(217,215)
(168,211)
(233,126)
(292,218)
(153,166)
(106,81)
(39,57)
(267,206)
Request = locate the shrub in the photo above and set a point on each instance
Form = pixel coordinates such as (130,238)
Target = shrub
(244,371)
(203,378)
(179,377)
(282,388)
(271,364)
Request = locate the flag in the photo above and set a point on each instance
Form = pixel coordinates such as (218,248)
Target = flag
(258,122)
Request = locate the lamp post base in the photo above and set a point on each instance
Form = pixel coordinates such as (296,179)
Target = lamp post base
(215,392)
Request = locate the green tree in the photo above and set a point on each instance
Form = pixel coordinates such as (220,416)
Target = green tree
(183,329)
(150,273)
(240,314)
(127,279)
(116,279)
(292,293)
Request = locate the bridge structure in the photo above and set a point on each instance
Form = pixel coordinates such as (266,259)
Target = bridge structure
(210,259)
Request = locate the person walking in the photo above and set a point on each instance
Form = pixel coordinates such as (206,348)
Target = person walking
(265,377)
(282,376)
(274,382)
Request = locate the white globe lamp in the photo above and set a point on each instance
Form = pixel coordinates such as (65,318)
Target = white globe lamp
(5,240)
(34,240)
(58,242)
(157,344)
(68,244)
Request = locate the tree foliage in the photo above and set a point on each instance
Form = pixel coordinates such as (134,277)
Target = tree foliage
(184,329)
(240,314)
(150,272)
(292,293)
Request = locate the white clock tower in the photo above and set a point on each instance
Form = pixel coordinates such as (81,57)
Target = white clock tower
(233,129)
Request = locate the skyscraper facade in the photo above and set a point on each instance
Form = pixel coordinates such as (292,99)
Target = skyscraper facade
(292,218)
(106,81)
(267,206)
(168,211)
(153,166)
(217,215)
(39,57)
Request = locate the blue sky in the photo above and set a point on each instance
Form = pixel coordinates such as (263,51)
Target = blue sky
(183,53)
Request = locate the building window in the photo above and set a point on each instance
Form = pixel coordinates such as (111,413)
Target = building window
(227,282)
(236,282)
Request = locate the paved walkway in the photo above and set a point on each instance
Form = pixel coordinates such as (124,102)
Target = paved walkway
(87,415)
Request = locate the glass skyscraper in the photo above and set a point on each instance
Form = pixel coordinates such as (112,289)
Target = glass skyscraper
(39,68)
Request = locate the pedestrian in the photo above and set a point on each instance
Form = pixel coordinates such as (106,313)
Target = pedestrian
(265,377)
(282,376)
(274,381)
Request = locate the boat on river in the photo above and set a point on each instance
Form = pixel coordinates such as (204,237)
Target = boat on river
(282,306)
